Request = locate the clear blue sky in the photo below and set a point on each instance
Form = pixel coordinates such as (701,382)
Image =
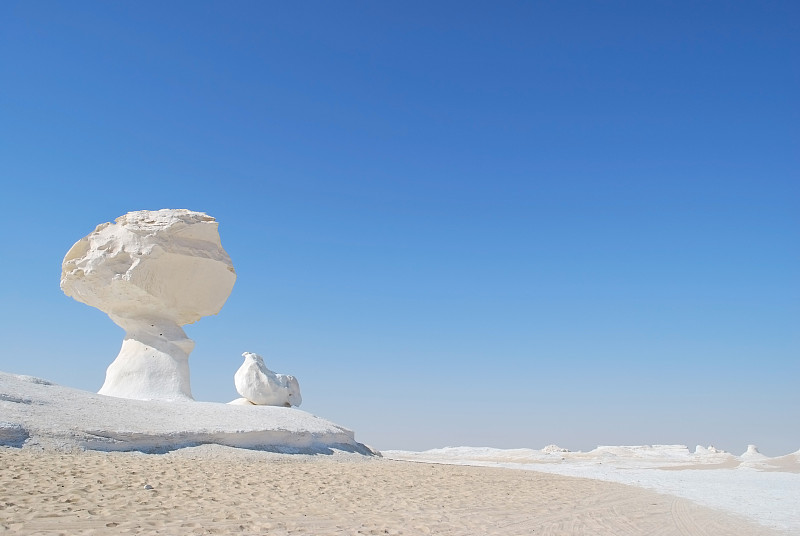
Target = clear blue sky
(493,224)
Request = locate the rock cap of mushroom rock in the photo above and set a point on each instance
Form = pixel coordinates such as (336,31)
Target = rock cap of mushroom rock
(168,263)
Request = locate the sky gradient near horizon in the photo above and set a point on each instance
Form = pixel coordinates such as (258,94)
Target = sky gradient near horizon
(500,224)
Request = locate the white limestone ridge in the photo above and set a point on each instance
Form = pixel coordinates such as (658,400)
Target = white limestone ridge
(710,450)
(151,272)
(260,386)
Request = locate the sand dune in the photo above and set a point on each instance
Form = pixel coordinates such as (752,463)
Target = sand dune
(221,490)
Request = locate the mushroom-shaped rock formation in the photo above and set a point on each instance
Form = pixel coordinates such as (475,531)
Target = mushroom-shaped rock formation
(151,272)
(752,453)
(262,387)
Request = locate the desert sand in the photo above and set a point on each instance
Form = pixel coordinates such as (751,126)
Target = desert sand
(762,489)
(214,489)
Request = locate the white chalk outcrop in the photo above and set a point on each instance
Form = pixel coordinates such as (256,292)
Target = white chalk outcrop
(37,414)
(752,454)
(151,272)
(260,386)
(700,450)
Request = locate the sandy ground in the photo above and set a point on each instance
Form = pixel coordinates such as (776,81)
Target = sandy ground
(220,490)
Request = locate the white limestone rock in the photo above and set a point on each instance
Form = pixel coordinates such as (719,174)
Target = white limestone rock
(752,454)
(256,383)
(151,272)
(241,402)
(707,451)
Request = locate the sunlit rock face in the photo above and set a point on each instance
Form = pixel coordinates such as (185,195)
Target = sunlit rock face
(151,272)
(260,386)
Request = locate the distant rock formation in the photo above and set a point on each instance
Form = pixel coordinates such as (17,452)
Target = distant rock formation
(711,449)
(554,449)
(262,387)
(151,272)
(752,454)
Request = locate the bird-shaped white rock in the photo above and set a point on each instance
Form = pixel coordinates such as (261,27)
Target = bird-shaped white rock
(262,387)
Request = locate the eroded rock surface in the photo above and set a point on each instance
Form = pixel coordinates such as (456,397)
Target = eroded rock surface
(262,387)
(151,272)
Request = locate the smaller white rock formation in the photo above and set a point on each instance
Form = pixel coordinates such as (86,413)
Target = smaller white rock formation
(262,387)
(553,449)
(752,454)
(711,449)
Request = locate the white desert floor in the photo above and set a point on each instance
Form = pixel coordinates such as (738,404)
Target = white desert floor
(764,490)
(205,468)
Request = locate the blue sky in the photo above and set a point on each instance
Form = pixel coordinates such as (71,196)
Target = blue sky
(493,224)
